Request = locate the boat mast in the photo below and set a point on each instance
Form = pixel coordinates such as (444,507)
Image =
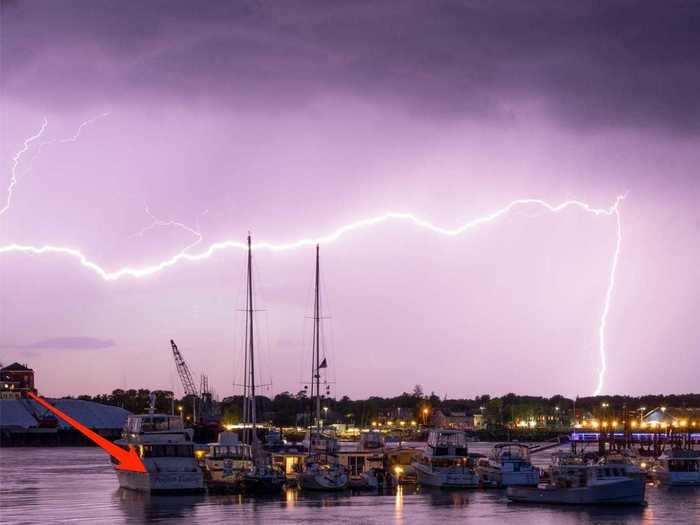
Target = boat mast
(249,393)
(316,347)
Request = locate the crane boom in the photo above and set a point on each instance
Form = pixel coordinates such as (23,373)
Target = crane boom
(184,372)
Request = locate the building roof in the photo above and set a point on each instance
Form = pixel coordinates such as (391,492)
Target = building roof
(16,367)
(17,413)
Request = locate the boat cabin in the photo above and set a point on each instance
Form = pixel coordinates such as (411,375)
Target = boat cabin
(229,447)
(142,424)
(371,440)
(447,443)
(511,452)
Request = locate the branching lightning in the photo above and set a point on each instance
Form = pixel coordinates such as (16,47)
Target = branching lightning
(27,145)
(159,223)
(15,164)
(186,255)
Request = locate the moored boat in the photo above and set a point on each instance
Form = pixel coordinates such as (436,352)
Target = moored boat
(446,462)
(166,450)
(226,462)
(365,464)
(576,482)
(319,475)
(508,465)
(678,467)
(321,470)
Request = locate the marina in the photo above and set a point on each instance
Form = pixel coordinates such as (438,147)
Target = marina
(68,483)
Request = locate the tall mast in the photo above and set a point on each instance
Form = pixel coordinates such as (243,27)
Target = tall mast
(317,345)
(250,348)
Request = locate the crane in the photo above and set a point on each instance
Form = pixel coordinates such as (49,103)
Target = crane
(186,378)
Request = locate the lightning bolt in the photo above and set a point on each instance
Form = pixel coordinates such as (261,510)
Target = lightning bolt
(164,224)
(16,161)
(608,299)
(185,255)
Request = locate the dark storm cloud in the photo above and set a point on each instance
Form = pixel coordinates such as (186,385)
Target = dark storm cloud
(65,343)
(611,63)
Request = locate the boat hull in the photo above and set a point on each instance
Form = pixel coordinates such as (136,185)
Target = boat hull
(452,478)
(678,479)
(626,492)
(161,482)
(320,482)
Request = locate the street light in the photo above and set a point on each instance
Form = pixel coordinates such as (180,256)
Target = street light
(425,416)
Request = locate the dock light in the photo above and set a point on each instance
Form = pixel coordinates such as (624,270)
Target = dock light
(374,423)
(179,408)
(398,470)
(663,409)
(605,424)
(614,423)
(595,424)
(389,423)
(643,425)
(643,464)
(199,454)
(684,423)
(413,424)
(634,424)
(402,423)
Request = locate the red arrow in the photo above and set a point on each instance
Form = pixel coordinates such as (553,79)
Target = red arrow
(128,459)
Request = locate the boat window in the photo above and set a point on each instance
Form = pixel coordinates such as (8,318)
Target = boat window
(356,465)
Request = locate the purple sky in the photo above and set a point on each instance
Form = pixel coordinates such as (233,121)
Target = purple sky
(292,119)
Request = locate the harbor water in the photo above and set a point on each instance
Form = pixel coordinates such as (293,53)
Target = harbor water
(78,485)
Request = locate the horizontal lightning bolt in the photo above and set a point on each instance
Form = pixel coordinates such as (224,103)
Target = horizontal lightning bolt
(184,255)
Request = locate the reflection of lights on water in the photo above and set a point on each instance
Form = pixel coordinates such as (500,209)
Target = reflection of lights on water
(291,497)
(398,502)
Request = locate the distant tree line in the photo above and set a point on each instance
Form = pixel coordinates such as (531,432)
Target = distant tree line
(287,409)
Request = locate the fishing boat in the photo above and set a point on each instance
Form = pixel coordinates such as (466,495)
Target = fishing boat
(446,462)
(226,462)
(574,481)
(508,465)
(320,470)
(678,467)
(166,450)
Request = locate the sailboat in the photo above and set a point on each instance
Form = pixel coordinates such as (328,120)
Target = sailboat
(318,473)
(254,471)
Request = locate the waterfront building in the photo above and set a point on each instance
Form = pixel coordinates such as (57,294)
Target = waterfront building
(15,381)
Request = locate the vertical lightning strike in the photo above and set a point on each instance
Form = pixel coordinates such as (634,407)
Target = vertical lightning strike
(608,299)
(26,147)
(15,164)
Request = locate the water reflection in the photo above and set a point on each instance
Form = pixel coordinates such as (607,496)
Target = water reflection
(141,507)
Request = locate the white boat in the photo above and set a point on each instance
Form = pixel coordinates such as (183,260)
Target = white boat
(166,450)
(575,482)
(508,465)
(445,462)
(319,475)
(365,464)
(227,461)
(678,467)
(321,441)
